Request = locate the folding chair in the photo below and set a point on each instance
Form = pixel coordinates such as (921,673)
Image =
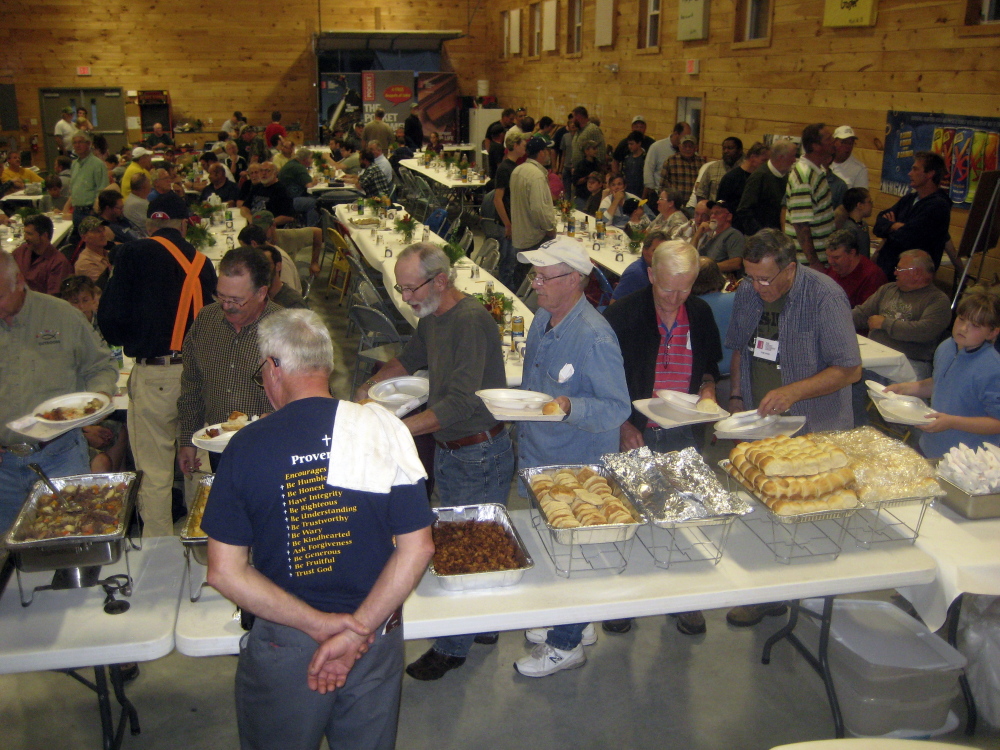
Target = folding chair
(437,222)
(606,289)
(380,341)
(490,260)
(467,240)
(484,250)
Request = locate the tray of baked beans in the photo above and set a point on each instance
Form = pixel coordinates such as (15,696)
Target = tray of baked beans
(477,547)
(582,504)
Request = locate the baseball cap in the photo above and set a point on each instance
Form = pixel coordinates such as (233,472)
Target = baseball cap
(139,151)
(688,139)
(68,110)
(167,206)
(638,118)
(720,204)
(263,219)
(844,132)
(535,144)
(629,205)
(560,250)
(89,224)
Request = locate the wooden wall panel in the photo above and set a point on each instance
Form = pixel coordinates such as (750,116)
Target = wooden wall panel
(255,57)
(915,59)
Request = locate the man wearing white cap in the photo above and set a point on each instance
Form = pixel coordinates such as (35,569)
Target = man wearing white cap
(573,355)
(846,165)
(142,162)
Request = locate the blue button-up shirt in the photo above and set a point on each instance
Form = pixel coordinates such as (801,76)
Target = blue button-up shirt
(596,388)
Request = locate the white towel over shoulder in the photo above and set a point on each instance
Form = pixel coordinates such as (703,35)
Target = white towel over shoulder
(371,450)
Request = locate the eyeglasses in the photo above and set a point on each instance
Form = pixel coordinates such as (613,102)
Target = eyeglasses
(224,300)
(405,289)
(768,282)
(540,280)
(258,374)
(908,268)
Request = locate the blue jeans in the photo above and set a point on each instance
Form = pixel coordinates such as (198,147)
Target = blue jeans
(478,473)
(306,204)
(566,637)
(64,456)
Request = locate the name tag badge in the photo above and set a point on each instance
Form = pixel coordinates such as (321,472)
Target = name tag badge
(765,349)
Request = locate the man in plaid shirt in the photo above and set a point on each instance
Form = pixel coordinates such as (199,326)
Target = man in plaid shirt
(372,180)
(809,217)
(680,171)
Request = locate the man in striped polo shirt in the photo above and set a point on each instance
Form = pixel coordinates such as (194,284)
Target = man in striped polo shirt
(809,217)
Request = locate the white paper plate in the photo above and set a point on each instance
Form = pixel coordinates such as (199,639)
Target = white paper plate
(745,421)
(688,403)
(513,399)
(877,391)
(69,400)
(905,410)
(665,415)
(786,426)
(396,391)
(216,444)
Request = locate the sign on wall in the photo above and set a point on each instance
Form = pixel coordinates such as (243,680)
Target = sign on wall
(968,146)
(392,90)
(692,20)
(850,12)
(437,94)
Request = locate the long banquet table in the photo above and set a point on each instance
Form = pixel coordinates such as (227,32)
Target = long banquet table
(375,255)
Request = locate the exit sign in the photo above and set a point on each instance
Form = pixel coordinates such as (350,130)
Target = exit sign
(83,70)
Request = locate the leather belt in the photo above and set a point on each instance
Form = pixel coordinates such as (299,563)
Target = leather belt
(173,359)
(479,437)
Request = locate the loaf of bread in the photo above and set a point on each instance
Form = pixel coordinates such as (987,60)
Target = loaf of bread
(790,457)
(552,407)
(707,405)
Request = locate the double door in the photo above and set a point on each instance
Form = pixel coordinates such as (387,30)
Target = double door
(105,110)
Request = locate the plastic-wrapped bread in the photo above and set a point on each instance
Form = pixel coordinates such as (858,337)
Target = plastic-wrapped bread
(806,488)
(832,501)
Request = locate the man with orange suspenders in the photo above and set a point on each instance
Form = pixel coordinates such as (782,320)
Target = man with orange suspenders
(157,288)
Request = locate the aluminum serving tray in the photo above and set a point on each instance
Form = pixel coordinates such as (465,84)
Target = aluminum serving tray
(71,551)
(604,534)
(472,581)
(973,507)
(819,515)
(197,544)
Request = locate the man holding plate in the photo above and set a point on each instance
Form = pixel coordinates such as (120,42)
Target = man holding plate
(457,341)
(49,349)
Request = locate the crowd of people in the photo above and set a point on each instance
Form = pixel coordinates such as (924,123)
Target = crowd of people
(787,230)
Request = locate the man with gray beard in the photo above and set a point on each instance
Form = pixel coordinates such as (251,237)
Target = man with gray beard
(457,341)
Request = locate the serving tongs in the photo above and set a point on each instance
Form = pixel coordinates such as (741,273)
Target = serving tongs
(66,504)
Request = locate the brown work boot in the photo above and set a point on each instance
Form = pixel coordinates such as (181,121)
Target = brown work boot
(691,623)
(751,614)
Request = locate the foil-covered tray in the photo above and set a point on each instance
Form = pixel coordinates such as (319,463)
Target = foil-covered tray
(674,489)
(77,550)
(193,538)
(820,515)
(493,579)
(604,534)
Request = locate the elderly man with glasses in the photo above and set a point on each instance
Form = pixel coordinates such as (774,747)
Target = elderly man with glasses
(220,351)
(794,351)
(457,341)
(158,287)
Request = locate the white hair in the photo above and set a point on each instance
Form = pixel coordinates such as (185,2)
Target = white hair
(298,339)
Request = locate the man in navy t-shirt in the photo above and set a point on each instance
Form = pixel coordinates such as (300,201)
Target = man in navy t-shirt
(325,655)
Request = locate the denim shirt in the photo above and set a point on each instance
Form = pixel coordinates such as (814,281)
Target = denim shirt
(596,389)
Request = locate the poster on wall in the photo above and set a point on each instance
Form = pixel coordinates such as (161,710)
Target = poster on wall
(968,146)
(392,90)
(437,95)
(340,100)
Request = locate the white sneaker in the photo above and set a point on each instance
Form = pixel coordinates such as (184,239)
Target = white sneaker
(545,660)
(538,635)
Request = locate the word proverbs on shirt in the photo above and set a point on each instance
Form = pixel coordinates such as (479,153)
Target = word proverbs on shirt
(310,510)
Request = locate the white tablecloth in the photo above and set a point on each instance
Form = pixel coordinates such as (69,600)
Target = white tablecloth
(21,197)
(967,556)
(440,176)
(69,629)
(885,361)
(747,574)
(375,255)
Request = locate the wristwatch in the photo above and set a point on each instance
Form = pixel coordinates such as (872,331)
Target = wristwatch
(369,383)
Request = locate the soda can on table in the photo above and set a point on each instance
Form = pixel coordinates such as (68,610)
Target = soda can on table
(947,146)
(977,162)
(960,158)
(517,326)
(990,155)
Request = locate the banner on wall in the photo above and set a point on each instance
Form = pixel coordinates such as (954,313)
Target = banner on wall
(438,97)
(968,146)
(392,90)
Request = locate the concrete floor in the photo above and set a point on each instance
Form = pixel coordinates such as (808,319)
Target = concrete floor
(652,687)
